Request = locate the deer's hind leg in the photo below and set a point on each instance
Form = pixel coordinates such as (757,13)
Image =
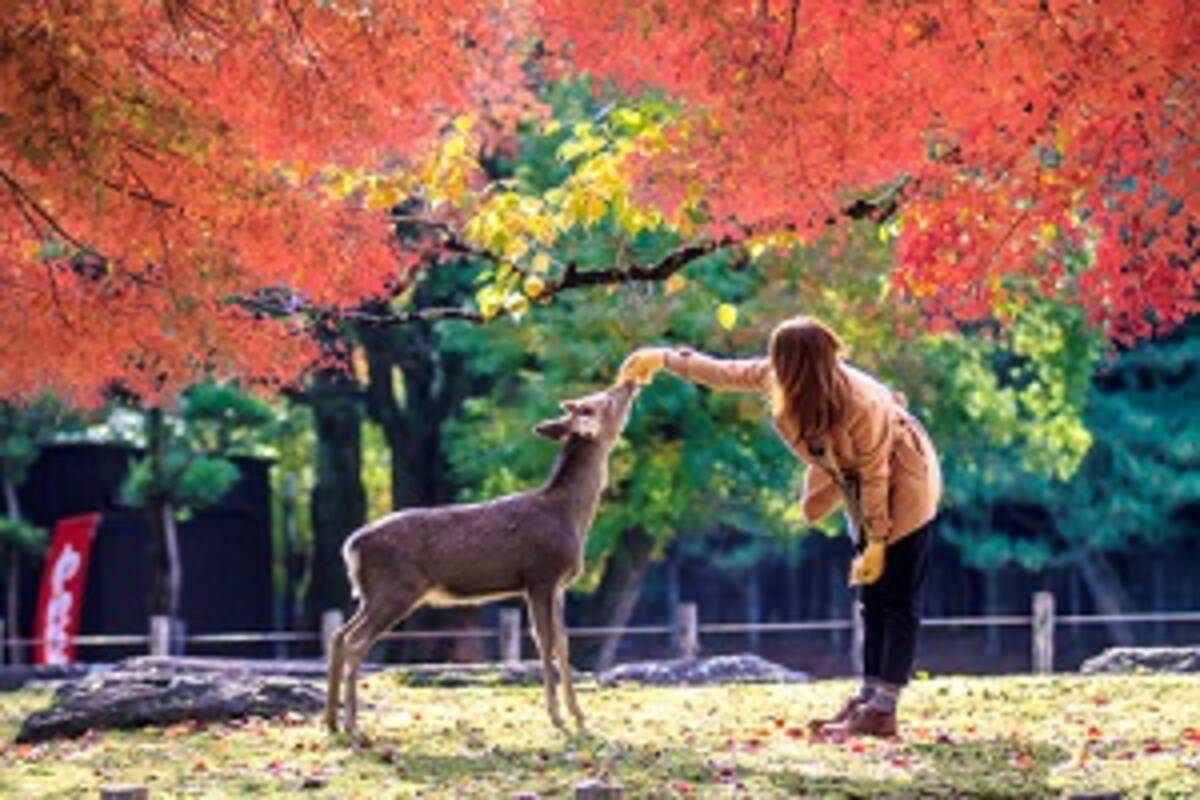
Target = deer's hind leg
(541,612)
(336,668)
(380,613)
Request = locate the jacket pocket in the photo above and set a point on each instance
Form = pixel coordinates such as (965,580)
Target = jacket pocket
(908,453)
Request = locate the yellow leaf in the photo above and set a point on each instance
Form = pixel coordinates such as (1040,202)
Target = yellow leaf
(534,286)
(727,316)
(382,196)
(463,123)
(516,304)
(488,300)
(540,263)
(675,283)
(594,210)
(455,147)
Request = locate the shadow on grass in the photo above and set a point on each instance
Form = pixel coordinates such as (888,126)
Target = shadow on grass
(1000,768)
(644,771)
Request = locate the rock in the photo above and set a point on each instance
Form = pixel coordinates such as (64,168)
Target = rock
(717,670)
(526,673)
(1144,659)
(599,790)
(144,692)
(124,793)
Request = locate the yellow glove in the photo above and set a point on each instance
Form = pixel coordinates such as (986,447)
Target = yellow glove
(642,365)
(867,568)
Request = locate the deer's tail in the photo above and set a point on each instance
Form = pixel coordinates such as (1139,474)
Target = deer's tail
(350,556)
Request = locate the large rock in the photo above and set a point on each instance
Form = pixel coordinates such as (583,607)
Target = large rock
(1145,659)
(717,670)
(144,692)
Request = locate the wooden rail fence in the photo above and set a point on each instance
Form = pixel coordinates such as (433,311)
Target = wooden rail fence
(686,631)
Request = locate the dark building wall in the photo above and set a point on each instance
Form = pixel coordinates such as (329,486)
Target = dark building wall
(225,549)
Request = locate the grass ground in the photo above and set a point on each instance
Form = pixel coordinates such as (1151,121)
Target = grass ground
(989,737)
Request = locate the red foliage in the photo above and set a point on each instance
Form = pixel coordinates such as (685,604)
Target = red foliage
(179,141)
(1024,127)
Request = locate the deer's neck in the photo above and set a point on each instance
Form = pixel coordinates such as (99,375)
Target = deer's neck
(578,477)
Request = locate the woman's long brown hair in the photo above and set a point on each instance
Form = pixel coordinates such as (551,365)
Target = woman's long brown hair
(811,388)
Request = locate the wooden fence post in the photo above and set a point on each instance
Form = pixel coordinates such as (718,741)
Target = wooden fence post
(160,635)
(510,636)
(687,631)
(1043,632)
(331,621)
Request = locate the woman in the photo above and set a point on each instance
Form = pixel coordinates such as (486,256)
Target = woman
(863,449)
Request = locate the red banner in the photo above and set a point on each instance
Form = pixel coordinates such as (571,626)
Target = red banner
(60,604)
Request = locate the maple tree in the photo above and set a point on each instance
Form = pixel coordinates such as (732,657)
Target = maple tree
(188,187)
(1010,134)
(159,159)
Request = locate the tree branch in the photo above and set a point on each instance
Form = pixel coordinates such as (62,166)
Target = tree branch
(668,266)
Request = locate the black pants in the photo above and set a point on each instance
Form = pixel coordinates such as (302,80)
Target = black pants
(891,610)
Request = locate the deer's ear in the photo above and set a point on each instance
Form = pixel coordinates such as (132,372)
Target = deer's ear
(553,428)
(570,406)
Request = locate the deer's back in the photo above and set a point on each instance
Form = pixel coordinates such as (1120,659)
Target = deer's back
(472,552)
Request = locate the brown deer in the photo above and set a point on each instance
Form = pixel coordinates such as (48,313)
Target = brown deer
(527,544)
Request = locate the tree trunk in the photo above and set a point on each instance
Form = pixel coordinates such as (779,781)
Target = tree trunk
(339,501)
(434,387)
(792,567)
(991,607)
(1108,594)
(1075,589)
(753,607)
(674,591)
(166,575)
(174,563)
(620,589)
(12,603)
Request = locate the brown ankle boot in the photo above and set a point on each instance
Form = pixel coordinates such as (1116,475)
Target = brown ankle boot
(844,713)
(867,721)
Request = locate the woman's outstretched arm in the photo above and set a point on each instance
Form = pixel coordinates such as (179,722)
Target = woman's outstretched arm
(734,374)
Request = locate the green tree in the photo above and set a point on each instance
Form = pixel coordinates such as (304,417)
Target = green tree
(186,468)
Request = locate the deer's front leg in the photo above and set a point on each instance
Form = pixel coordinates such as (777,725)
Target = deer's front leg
(541,611)
(563,651)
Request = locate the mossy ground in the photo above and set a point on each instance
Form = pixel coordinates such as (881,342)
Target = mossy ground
(1015,737)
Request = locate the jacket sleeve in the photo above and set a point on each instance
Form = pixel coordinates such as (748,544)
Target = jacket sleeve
(871,435)
(821,494)
(730,375)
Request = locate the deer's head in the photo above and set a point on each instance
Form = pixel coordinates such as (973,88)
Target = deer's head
(598,417)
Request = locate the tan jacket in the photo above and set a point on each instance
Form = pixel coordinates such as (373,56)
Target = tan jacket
(877,441)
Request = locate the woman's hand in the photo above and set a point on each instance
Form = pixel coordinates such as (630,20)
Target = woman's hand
(867,568)
(642,365)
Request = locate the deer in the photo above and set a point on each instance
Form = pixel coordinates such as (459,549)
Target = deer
(528,544)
